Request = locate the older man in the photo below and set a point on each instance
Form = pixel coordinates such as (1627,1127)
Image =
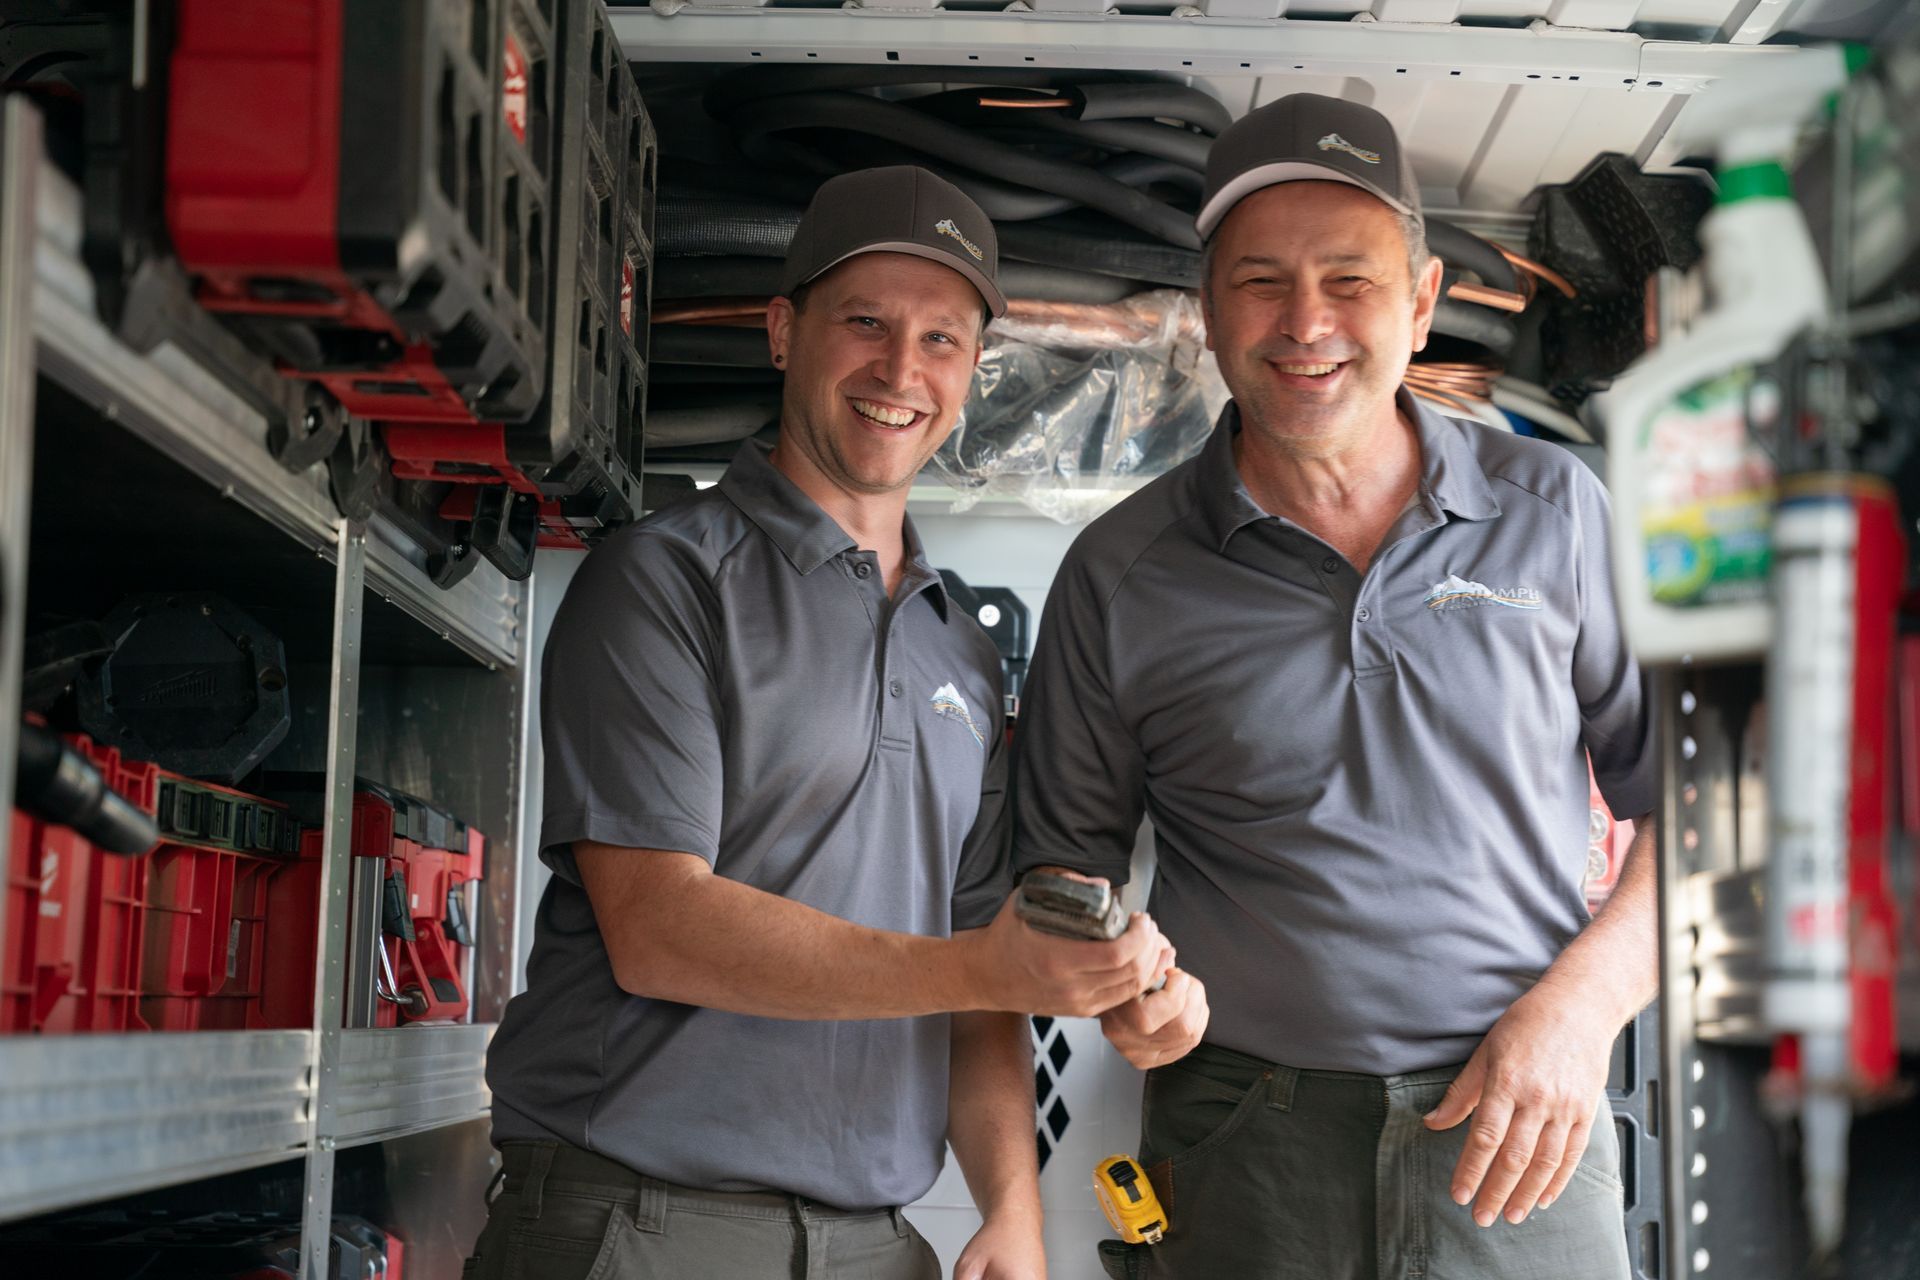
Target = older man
(1352,661)
(775,817)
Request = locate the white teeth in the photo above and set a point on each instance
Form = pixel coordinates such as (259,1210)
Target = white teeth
(1311,370)
(883,415)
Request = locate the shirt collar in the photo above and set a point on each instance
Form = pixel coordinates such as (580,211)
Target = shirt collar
(936,588)
(1450,474)
(805,534)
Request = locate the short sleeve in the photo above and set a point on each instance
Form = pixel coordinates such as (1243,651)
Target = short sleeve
(1615,721)
(629,710)
(1078,776)
(985,875)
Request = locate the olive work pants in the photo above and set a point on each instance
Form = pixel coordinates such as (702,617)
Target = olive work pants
(1266,1172)
(567,1214)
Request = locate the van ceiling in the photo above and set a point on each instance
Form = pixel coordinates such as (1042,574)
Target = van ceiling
(1492,97)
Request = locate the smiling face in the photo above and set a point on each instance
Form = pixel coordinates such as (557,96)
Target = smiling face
(1314,315)
(878,367)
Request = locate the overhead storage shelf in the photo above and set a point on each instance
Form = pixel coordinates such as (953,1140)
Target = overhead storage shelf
(86,1117)
(167,400)
(1183,39)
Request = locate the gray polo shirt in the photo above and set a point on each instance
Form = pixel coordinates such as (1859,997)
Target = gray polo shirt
(1369,793)
(728,678)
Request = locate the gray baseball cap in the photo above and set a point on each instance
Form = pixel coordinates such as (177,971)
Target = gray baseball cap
(898,209)
(1306,136)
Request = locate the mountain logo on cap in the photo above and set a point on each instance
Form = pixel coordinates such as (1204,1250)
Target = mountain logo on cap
(946,227)
(1334,142)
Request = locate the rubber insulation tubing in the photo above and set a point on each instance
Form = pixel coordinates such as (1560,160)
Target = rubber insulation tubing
(1084,250)
(670,426)
(1461,248)
(1150,100)
(730,276)
(710,345)
(1182,146)
(698,224)
(990,111)
(692,375)
(949,142)
(1063,284)
(1475,324)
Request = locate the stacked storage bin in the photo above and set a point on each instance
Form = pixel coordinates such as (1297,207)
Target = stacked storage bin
(428,862)
(174,939)
(441,213)
(572,470)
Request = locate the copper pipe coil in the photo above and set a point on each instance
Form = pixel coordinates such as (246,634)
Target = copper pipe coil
(1532,268)
(1499,299)
(1027,104)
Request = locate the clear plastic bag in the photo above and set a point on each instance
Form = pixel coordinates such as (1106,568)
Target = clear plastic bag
(1075,406)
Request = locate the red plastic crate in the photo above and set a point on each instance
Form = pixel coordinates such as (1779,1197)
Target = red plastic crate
(171,940)
(434,857)
(432,962)
(73,934)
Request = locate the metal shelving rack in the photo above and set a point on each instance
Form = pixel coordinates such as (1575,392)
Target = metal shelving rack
(87,1117)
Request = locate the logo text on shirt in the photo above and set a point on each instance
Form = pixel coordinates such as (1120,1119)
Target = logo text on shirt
(948,702)
(1460,593)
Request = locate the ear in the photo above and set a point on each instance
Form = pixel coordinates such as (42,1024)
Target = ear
(1426,296)
(779,330)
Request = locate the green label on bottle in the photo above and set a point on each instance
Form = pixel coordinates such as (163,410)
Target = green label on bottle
(1707,512)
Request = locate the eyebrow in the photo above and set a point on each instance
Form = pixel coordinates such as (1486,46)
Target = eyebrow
(945,319)
(1327,260)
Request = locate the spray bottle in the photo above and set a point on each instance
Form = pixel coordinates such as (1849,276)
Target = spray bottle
(1689,466)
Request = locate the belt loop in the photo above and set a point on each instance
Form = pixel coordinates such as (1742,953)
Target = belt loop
(536,1181)
(1280,1088)
(650,1207)
(900,1225)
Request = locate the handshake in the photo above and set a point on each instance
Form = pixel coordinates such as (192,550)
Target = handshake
(1061,946)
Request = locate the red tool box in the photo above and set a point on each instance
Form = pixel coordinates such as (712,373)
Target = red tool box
(384,242)
(170,940)
(425,858)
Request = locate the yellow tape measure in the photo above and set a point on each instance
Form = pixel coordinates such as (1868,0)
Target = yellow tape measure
(1127,1198)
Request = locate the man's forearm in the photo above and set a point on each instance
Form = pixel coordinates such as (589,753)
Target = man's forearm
(990,1113)
(721,944)
(1615,962)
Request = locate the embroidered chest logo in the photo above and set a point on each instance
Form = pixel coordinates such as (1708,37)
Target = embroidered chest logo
(1458,593)
(1334,142)
(948,702)
(947,227)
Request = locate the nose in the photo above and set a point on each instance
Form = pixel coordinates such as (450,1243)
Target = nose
(897,363)
(1305,315)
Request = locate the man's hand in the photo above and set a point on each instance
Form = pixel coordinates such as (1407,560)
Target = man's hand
(1154,1029)
(1533,1087)
(1007,1247)
(1021,969)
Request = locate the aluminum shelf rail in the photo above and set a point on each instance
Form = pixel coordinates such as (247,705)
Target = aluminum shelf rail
(86,1117)
(1185,40)
(402,1080)
(167,400)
